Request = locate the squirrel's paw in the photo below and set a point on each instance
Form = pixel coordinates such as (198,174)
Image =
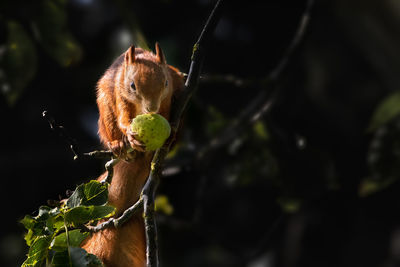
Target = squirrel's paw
(117,147)
(135,144)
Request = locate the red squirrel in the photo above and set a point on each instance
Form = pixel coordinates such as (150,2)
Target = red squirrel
(137,82)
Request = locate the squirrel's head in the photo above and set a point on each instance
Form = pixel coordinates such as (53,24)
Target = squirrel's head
(146,81)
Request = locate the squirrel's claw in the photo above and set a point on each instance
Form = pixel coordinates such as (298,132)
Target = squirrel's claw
(117,147)
(134,143)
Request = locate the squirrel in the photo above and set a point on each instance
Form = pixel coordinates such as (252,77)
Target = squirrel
(137,82)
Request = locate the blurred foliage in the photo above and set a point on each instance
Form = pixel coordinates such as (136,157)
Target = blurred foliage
(386,111)
(163,205)
(18,62)
(260,130)
(215,121)
(48,27)
(289,205)
(384,150)
(51,31)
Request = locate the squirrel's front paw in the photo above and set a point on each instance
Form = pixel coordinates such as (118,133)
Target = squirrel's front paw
(117,147)
(135,144)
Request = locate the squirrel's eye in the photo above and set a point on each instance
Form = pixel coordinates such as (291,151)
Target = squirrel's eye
(166,83)
(133,86)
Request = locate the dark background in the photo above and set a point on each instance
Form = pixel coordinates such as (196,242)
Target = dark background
(307,185)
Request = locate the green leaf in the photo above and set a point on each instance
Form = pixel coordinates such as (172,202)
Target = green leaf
(76,257)
(38,251)
(386,111)
(76,199)
(31,224)
(29,237)
(96,193)
(36,226)
(84,214)
(47,222)
(91,193)
(43,213)
(57,222)
(75,238)
(80,258)
(28,222)
(61,259)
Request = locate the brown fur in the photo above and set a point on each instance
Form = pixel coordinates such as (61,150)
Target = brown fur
(118,104)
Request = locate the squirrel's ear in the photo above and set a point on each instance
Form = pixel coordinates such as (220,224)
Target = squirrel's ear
(160,54)
(130,55)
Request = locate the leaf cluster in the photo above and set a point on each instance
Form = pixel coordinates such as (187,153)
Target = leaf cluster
(53,235)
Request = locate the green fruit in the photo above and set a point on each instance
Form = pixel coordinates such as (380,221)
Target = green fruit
(151,129)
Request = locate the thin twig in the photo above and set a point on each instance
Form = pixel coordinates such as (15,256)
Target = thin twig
(99,154)
(126,215)
(297,38)
(110,170)
(60,130)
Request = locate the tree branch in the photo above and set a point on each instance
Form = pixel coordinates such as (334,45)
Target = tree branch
(177,111)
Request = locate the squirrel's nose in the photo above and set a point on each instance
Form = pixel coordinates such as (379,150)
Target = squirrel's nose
(152,108)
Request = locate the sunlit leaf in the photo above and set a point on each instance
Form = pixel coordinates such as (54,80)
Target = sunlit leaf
(28,222)
(47,222)
(91,193)
(29,237)
(96,193)
(84,214)
(75,238)
(38,251)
